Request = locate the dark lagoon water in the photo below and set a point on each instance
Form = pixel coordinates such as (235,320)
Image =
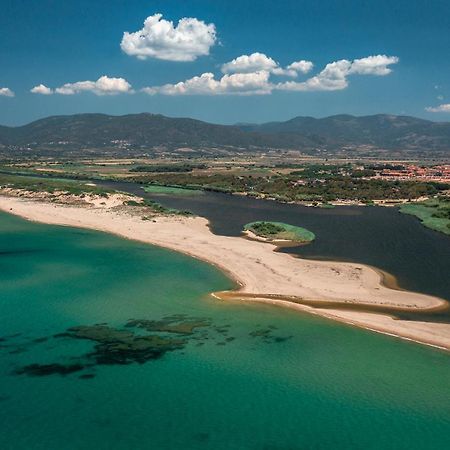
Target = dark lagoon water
(418,257)
(111,344)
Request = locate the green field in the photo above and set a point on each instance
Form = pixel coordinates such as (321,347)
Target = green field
(280,231)
(434,213)
(171,190)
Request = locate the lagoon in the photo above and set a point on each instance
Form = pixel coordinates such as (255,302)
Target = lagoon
(382,237)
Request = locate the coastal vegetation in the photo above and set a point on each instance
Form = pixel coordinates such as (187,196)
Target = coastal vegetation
(51,185)
(58,189)
(277,231)
(303,186)
(433,213)
(172,190)
(156,207)
(164,168)
(313,182)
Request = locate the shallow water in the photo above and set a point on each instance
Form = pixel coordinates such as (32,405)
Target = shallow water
(244,377)
(418,257)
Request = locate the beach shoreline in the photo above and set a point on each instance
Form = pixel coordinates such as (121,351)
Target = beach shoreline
(260,273)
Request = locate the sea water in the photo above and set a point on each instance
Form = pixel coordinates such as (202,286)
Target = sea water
(112,344)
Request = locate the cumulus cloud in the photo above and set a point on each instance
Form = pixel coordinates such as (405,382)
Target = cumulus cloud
(335,75)
(160,39)
(332,78)
(103,86)
(256,83)
(6,92)
(41,89)
(441,108)
(373,65)
(301,66)
(257,62)
(250,75)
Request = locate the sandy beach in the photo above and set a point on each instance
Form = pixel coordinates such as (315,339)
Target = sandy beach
(262,274)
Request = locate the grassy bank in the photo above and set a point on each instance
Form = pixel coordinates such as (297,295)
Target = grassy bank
(171,190)
(274,231)
(50,185)
(157,207)
(433,213)
(298,186)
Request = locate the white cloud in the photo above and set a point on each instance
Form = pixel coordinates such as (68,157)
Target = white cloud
(103,86)
(441,108)
(6,92)
(42,89)
(256,83)
(301,66)
(250,75)
(160,39)
(255,62)
(334,76)
(373,65)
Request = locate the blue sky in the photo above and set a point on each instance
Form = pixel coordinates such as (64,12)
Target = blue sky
(391,57)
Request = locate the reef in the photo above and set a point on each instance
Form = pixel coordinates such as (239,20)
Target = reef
(178,324)
(38,370)
(267,336)
(115,346)
(136,342)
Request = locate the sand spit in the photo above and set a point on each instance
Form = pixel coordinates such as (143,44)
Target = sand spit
(262,274)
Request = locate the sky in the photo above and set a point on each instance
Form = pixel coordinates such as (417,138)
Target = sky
(224,61)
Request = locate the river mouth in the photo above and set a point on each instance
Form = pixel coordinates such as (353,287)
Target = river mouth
(377,236)
(408,255)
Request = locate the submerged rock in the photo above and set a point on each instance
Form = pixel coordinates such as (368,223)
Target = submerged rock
(266,335)
(87,376)
(172,324)
(121,346)
(39,370)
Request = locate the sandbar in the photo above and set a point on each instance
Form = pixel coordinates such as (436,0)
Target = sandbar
(261,274)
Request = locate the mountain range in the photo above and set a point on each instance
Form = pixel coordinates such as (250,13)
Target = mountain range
(140,133)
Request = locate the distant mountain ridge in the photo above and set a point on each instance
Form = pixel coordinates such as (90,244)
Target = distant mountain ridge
(381,130)
(101,130)
(140,132)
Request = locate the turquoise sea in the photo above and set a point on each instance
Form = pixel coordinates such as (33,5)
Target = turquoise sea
(112,344)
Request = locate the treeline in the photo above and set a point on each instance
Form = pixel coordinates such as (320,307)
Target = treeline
(294,188)
(167,168)
(443,211)
(328,171)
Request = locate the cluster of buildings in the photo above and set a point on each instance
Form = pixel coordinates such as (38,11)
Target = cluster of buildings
(440,173)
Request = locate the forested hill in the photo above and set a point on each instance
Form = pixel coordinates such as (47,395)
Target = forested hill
(381,131)
(145,132)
